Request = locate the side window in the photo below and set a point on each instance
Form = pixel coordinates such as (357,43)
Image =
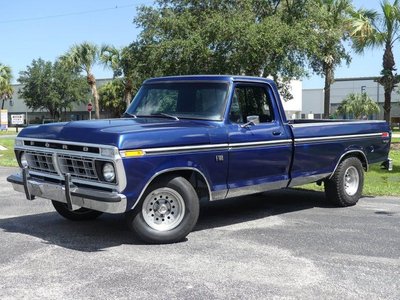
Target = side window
(250,101)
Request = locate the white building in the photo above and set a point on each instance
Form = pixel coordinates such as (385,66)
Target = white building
(313,99)
(293,107)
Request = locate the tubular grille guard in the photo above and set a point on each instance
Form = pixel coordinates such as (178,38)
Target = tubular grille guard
(41,161)
(78,166)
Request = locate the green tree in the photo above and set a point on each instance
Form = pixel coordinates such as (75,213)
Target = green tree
(51,87)
(331,19)
(221,37)
(111,97)
(122,63)
(69,88)
(6,90)
(358,105)
(82,58)
(371,29)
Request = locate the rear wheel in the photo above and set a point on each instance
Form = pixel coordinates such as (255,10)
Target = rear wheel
(80,214)
(167,212)
(345,186)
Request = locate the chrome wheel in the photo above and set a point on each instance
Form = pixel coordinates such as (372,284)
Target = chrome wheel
(163,209)
(351,181)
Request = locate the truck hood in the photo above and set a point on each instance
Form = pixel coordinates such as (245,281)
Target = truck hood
(126,133)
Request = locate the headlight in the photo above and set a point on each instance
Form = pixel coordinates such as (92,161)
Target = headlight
(23,160)
(108,172)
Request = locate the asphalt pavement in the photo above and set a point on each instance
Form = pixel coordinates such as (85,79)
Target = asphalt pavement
(282,245)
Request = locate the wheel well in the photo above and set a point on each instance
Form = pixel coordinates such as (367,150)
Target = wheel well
(196,179)
(357,154)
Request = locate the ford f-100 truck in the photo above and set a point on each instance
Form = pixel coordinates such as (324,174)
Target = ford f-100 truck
(189,138)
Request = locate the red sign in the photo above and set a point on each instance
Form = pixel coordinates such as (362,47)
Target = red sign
(89,107)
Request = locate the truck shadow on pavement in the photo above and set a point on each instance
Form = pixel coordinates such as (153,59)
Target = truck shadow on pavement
(111,230)
(249,208)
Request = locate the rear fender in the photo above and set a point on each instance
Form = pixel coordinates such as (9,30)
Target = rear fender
(353,153)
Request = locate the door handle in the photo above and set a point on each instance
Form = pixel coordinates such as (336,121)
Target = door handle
(276,133)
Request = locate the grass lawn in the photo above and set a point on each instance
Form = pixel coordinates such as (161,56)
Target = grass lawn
(395,140)
(7,157)
(382,182)
(8,132)
(378,182)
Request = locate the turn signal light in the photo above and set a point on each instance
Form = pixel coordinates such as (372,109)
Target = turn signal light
(132,153)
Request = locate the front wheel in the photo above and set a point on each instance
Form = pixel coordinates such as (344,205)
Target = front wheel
(80,214)
(167,212)
(345,186)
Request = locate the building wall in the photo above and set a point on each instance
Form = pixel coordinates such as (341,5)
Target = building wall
(293,107)
(17,106)
(342,87)
(313,103)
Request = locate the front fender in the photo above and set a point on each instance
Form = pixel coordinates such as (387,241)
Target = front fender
(142,171)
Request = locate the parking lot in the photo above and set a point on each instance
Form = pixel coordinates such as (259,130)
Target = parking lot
(285,244)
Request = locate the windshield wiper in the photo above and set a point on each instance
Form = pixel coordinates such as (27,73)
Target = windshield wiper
(165,115)
(126,114)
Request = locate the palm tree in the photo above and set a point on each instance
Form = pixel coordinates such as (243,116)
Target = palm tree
(359,105)
(371,30)
(110,57)
(82,58)
(6,90)
(332,17)
(120,61)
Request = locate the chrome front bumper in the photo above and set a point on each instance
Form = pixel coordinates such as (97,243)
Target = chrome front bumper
(109,202)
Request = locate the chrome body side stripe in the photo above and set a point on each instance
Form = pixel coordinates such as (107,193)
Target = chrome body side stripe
(185,148)
(230,146)
(209,147)
(337,137)
(332,123)
(259,144)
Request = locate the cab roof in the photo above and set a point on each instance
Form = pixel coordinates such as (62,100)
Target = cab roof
(226,78)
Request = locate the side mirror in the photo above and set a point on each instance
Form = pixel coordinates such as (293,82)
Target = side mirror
(251,120)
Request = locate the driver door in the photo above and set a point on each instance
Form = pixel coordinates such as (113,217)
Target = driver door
(260,152)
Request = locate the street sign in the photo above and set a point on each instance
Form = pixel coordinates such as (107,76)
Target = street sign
(89,107)
(4,119)
(17,119)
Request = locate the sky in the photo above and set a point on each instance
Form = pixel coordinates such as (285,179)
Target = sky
(47,29)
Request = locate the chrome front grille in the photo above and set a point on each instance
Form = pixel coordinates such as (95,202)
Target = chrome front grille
(52,160)
(78,166)
(41,161)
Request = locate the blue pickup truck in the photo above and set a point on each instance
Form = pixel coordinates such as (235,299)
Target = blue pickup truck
(187,139)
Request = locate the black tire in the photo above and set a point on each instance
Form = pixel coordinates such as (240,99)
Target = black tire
(154,214)
(346,185)
(81,214)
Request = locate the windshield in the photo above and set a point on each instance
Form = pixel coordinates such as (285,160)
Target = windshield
(205,100)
